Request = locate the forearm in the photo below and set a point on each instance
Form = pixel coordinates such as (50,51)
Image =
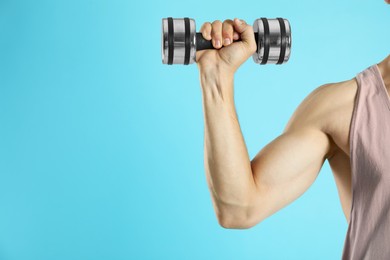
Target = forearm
(227,162)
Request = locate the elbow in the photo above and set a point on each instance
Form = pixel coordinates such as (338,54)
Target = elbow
(229,220)
(234,225)
(238,213)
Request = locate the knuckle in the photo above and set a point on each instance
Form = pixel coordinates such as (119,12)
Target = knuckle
(203,28)
(217,23)
(207,28)
(228,21)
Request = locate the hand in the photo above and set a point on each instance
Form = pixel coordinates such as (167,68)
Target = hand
(228,55)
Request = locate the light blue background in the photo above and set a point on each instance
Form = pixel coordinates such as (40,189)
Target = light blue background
(101,145)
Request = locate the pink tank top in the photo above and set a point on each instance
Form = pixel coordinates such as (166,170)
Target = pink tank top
(368,233)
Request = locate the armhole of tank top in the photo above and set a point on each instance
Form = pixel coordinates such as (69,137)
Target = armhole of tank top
(351,139)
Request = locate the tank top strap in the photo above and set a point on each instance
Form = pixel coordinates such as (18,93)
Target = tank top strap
(371,84)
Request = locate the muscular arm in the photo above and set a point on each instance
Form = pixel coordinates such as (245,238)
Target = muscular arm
(245,192)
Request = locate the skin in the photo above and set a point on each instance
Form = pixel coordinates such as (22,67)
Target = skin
(245,192)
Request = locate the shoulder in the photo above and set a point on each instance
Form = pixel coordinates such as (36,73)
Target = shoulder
(319,107)
(327,109)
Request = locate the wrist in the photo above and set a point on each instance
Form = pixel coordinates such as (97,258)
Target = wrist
(216,84)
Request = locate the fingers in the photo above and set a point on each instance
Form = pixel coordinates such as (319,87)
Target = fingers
(216,34)
(206,31)
(227,32)
(221,34)
(246,34)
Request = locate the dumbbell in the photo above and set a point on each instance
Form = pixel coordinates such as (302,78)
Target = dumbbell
(180,41)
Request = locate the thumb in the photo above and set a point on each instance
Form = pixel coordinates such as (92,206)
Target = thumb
(246,33)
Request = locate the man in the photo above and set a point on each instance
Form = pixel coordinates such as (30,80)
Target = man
(352,132)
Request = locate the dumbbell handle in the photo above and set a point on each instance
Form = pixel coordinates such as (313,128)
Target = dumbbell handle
(203,44)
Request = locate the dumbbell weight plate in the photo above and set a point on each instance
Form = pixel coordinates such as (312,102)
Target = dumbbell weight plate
(274,41)
(174,39)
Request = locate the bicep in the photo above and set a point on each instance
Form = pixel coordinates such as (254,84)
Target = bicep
(285,168)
